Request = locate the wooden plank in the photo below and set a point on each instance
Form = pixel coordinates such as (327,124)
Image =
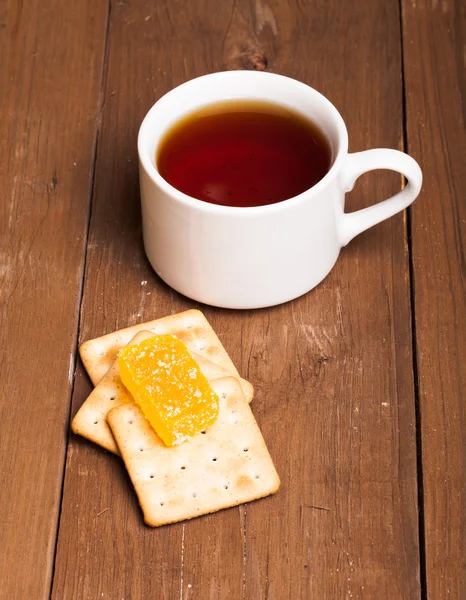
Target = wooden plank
(51,63)
(332,370)
(434,42)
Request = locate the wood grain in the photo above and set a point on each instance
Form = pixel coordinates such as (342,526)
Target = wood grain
(434,40)
(51,63)
(332,370)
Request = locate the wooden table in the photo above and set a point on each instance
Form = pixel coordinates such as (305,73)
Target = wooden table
(359,384)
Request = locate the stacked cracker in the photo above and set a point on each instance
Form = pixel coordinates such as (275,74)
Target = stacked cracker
(226,465)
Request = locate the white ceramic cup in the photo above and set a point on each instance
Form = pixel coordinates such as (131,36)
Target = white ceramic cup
(254,257)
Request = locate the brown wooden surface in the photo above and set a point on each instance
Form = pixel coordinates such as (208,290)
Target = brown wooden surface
(340,438)
(341,384)
(51,58)
(435,68)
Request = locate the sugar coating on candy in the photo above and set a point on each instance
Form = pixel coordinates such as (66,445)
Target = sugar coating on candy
(169,387)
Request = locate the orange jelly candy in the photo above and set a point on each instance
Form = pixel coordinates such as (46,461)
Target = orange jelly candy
(169,387)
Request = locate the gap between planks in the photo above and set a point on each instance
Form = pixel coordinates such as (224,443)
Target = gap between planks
(74,356)
(417,406)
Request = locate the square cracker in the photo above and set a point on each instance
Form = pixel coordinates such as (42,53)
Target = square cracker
(90,420)
(191,327)
(226,466)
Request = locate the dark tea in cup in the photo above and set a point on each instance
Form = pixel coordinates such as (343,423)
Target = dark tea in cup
(243,153)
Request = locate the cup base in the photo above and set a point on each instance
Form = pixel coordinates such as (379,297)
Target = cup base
(239,305)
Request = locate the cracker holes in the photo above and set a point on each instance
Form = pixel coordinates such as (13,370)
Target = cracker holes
(224,395)
(162,503)
(245,449)
(96,422)
(214,459)
(225,487)
(130,422)
(141,449)
(151,476)
(256,476)
(183,467)
(112,397)
(204,431)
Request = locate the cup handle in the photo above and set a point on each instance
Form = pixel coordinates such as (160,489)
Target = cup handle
(354,223)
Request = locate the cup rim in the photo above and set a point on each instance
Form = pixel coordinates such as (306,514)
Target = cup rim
(245,211)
